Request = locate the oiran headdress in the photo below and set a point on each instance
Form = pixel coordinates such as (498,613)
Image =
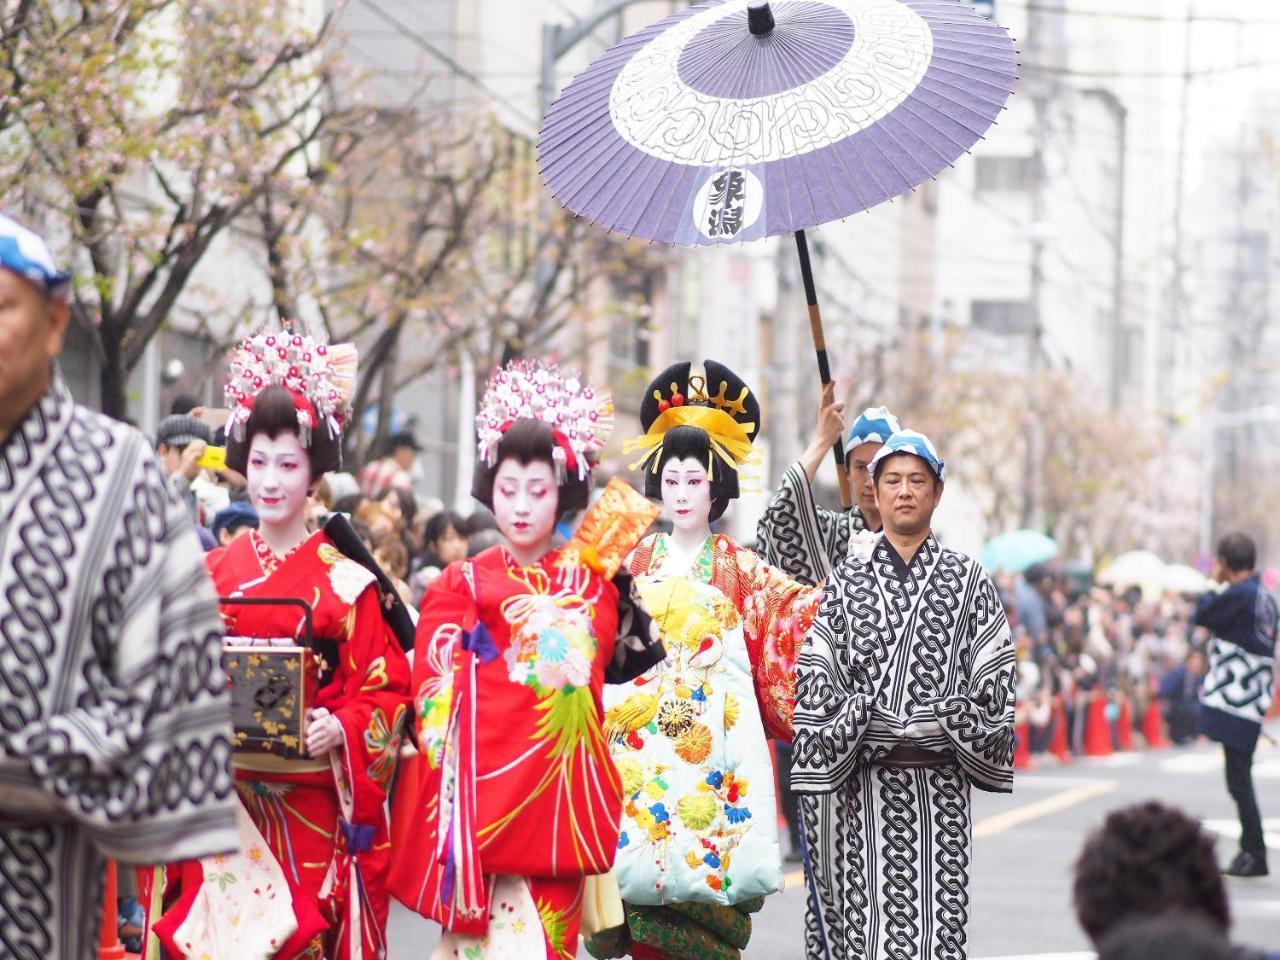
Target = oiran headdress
(580,416)
(319,376)
(720,404)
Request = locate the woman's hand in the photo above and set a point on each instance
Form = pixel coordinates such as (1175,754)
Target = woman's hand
(324,732)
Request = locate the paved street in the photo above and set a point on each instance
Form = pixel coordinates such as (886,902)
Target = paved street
(1024,849)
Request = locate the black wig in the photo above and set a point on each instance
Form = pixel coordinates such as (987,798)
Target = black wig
(530,441)
(722,389)
(274,413)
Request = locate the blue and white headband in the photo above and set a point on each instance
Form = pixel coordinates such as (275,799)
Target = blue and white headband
(27,255)
(874,425)
(909,441)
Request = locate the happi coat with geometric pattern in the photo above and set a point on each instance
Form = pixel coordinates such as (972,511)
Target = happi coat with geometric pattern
(115,718)
(802,539)
(904,702)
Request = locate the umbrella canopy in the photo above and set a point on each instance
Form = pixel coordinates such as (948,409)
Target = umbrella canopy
(723,123)
(1182,579)
(1017,550)
(1137,568)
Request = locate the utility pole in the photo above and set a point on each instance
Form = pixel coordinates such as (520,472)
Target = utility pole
(1176,324)
(1042,88)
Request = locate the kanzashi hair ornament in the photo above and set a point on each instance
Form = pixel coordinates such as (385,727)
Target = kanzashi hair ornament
(320,378)
(580,416)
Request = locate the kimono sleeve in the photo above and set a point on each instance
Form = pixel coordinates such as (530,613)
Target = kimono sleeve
(799,537)
(375,702)
(638,647)
(831,720)
(447,609)
(978,721)
(777,613)
(143,761)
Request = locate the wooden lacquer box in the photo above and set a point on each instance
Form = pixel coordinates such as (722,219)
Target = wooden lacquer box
(272,688)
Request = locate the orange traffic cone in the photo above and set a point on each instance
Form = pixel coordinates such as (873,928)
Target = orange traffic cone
(1097,731)
(1022,747)
(1124,725)
(1058,744)
(1153,728)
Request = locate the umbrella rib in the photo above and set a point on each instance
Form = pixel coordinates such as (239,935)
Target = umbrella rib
(831,186)
(964,75)
(785,64)
(926,121)
(906,96)
(950,57)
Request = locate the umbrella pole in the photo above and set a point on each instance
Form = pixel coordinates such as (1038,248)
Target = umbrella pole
(820,347)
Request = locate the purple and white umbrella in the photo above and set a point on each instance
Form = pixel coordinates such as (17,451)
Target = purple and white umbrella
(723,124)
(736,120)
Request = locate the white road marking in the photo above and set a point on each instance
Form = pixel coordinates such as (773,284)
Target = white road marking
(1204,762)
(1230,829)
(1048,781)
(1267,769)
(1007,820)
(1116,760)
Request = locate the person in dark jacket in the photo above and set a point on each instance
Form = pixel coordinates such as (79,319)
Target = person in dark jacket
(1241,683)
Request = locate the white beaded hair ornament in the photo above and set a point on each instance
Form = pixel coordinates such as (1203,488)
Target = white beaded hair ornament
(580,416)
(320,377)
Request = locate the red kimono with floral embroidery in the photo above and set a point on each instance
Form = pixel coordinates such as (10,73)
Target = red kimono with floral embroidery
(514,776)
(323,820)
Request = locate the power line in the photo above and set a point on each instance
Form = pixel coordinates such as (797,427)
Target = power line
(1034,7)
(1145,74)
(419,40)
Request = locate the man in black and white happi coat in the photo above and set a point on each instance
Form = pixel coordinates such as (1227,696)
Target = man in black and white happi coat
(904,702)
(1240,684)
(802,539)
(115,718)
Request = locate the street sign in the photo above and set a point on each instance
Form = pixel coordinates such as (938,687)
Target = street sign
(985,7)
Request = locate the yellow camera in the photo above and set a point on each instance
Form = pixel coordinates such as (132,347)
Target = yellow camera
(213,458)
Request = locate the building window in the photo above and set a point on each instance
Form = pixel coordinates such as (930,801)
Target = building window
(1004,174)
(1254,255)
(1001,317)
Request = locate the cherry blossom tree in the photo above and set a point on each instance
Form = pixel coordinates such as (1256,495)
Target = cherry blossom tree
(429,241)
(1110,480)
(145,129)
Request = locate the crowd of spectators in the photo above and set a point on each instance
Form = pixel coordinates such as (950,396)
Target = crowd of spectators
(1076,641)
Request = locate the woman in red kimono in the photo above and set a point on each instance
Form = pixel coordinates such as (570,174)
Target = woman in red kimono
(311,879)
(514,800)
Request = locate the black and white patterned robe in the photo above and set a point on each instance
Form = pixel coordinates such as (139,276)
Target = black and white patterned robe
(1241,681)
(916,653)
(115,719)
(800,538)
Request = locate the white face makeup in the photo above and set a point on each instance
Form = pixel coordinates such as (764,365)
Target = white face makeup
(279,477)
(686,495)
(526,500)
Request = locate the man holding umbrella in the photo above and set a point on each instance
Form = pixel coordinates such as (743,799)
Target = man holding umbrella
(796,535)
